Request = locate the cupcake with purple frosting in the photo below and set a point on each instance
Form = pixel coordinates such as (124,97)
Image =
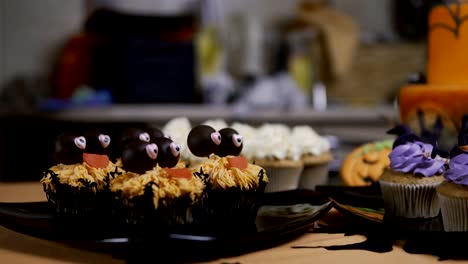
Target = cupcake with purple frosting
(409,184)
(453,192)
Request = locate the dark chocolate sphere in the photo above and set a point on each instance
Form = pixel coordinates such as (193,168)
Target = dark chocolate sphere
(231,143)
(139,156)
(97,143)
(132,133)
(169,152)
(154,132)
(126,136)
(203,140)
(69,148)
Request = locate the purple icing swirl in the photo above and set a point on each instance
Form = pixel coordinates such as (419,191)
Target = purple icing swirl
(458,170)
(415,157)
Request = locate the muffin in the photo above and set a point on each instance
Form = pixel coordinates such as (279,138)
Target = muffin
(233,185)
(273,153)
(150,197)
(78,185)
(314,151)
(453,192)
(409,184)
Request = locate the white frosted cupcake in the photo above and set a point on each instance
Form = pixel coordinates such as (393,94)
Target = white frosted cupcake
(314,151)
(273,153)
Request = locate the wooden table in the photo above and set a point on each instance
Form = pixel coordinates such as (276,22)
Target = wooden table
(20,248)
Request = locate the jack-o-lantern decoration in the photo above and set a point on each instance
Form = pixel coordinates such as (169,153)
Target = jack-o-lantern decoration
(366,163)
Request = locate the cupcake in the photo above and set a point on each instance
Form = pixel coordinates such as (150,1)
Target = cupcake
(314,151)
(233,185)
(153,195)
(409,184)
(453,192)
(273,152)
(79,183)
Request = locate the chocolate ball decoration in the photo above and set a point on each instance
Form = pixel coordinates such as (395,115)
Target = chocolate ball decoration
(126,136)
(69,149)
(231,143)
(154,132)
(139,156)
(97,143)
(169,152)
(131,134)
(203,140)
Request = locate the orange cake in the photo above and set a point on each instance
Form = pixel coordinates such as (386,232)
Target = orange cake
(445,94)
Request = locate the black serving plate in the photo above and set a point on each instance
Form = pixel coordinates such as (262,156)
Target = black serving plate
(281,217)
(364,208)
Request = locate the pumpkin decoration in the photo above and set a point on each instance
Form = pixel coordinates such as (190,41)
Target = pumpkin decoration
(366,163)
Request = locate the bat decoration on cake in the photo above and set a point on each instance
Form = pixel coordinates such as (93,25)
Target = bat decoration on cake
(231,143)
(432,136)
(91,148)
(455,15)
(139,156)
(169,152)
(462,146)
(404,135)
(203,140)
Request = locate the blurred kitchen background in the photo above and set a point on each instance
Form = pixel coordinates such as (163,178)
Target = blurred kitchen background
(336,65)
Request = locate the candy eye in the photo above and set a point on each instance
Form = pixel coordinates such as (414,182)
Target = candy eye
(237,140)
(152,151)
(216,137)
(144,137)
(105,140)
(175,149)
(80,142)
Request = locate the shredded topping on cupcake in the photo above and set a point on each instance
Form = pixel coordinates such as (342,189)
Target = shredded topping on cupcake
(223,176)
(77,175)
(164,187)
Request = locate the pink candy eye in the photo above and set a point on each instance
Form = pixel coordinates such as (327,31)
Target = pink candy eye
(152,151)
(175,149)
(105,140)
(237,140)
(80,142)
(144,137)
(216,137)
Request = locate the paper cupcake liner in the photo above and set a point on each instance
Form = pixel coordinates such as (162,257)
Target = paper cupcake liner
(410,200)
(140,214)
(314,175)
(227,210)
(283,179)
(454,213)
